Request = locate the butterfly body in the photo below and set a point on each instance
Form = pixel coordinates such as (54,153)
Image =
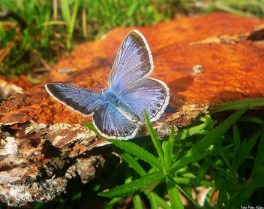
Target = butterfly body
(114,100)
(118,112)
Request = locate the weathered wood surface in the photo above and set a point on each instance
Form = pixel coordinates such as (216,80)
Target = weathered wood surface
(205,61)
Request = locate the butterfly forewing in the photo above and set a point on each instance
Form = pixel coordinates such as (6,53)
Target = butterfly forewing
(112,124)
(78,99)
(147,94)
(133,92)
(133,61)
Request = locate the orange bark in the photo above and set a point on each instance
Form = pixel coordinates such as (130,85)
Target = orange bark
(232,66)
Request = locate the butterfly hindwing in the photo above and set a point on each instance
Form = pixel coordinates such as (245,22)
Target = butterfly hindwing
(133,61)
(147,94)
(112,124)
(78,99)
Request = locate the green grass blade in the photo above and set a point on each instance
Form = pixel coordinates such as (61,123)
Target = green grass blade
(90,126)
(112,202)
(84,23)
(259,160)
(133,163)
(137,202)
(167,147)
(153,136)
(138,152)
(197,152)
(74,14)
(189,197)
(65,11)
(153,202)
(73,19)
(196,130)
(236,146)
(134,186)
(174,195)
(238,105)
(172,138)
(202,171)
(133,149)
(219,131)
(244,151)
(207,122)
(69,18)
(252,120)
(236,138)
(161,202)
(222,152)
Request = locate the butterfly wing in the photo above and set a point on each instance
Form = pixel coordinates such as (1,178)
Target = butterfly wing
(132,65)
(110,123)
(127,79)
(80,100)
(133,61)
(147,94)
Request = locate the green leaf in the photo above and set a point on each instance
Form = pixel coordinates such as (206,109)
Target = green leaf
(236,146)
(244,151)
(236,139)
(223,152)
(135,185)
(74,14)
(167,147)
(153,136)
(172,138)
(219,131)
(77,196)
(137,202)
(252,120)
(188,196)
(259,160)
(202,171)
(112,202)
(65,11)
(153,202)
(196,130)
(137,151)
(238,105)
(33,80)
(157,200)
(197,151)
(192,181)
(174,196)
(72,21)
(133,163)
(70,18)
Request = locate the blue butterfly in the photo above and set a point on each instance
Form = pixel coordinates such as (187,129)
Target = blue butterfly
(118,111)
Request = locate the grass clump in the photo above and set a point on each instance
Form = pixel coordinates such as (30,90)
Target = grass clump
(35,33)
(224,157)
